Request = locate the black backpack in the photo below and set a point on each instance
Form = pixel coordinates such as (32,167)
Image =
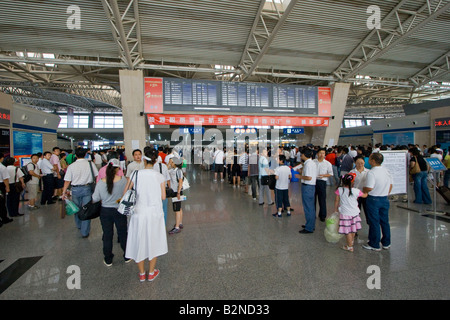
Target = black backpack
(26,175)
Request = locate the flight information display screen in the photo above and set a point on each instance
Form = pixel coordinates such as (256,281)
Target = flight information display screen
(188,95)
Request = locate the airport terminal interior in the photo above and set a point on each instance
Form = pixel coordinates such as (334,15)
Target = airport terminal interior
(189,75)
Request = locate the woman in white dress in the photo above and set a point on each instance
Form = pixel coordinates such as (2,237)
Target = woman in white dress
(147,232)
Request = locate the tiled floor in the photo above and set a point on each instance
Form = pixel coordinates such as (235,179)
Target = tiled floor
(230,248)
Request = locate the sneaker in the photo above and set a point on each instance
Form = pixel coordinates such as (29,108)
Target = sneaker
(107,264)
(153,276)
(288,214)
(142,277)
(367,247)
(175,230)
(386,247)
(127,260)
(181,226)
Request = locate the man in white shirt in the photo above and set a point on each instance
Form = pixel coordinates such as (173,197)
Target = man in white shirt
(97,160)
(308,178)
(137,163)
(48,180)
(378,186)
(4,189)
(33,184)
(218,158)
(79,176)
(324,170)
(283,177)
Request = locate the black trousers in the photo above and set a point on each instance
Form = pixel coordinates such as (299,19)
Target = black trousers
(108,218)
(48,188)
(321,197)
(12,201)
(3,211)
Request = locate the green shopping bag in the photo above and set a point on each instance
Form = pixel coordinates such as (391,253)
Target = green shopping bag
(71,208)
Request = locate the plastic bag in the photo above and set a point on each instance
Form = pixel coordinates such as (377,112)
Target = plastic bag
(71,208)
(331,230)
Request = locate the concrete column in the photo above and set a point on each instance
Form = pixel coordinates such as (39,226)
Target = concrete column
(134,124)
(326,135)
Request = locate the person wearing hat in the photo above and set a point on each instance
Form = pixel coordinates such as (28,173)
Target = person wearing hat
(109,190)
(176,184)
(308,178)
(346,203)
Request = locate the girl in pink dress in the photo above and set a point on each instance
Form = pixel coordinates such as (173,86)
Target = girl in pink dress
(346,203)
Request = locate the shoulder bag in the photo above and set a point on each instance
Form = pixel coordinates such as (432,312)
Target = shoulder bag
(126,205)
(416,168)
(89,211)
(93,183)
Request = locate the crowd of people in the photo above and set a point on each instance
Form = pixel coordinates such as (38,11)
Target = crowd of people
(361,181)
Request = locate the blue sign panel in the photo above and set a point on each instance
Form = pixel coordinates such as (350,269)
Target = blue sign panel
(192,130)
(436,164)
(293,130)
(27,143)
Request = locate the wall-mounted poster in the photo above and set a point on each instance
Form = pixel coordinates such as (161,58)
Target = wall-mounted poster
(398,138)
(26,144)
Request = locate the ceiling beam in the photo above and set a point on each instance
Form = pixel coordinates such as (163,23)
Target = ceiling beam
(260,37)
(365,53)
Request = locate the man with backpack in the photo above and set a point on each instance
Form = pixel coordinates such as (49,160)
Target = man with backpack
(32,177)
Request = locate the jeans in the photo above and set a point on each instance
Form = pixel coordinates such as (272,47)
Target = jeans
(321,196)
(335,175)
(164,204)
(308,194)
(108,218)
(80,196)
(378,216)
(421,188)
(264,189)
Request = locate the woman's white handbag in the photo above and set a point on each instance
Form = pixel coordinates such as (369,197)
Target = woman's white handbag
(185,184)
(126,204)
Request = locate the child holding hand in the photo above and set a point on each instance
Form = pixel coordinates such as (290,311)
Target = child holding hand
(346,203)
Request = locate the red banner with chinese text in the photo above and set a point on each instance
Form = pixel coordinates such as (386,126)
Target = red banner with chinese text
(324,106)
(225,120)
(153,95)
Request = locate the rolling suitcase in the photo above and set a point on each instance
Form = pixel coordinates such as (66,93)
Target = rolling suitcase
(444,192)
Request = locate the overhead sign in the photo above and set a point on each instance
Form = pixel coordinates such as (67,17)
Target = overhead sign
(193,95)
(442,122)
(153,95)
(293,131)
(223,120)
(245,130)
(5,117)
(192,130)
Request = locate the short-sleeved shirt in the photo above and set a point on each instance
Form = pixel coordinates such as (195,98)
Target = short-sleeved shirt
(102,173)
(12,174)
(33,167)
(263,164)
(79,173)
(175,175)
(310,170)
(46,167)
(323,167)
(360,179)
(162,169)
(348,204)
(4,174)
(218,157)
(243,160)
(283,173)
(379,179)
(134,166)
(54,159)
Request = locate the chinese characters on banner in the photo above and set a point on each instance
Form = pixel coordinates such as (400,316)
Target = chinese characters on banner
(442,122)
(153,95)
(221,120)
(324,105)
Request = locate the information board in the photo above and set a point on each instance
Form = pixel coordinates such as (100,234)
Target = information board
(191,95)
(396,162)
